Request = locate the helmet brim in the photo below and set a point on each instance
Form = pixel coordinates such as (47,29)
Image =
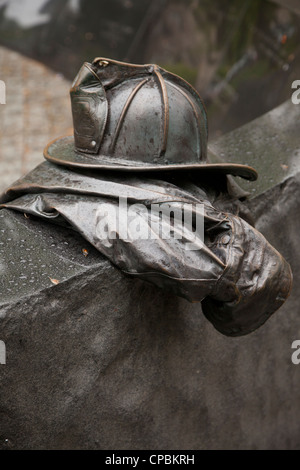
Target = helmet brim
(62,151)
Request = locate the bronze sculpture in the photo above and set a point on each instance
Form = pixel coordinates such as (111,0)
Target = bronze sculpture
(140,133)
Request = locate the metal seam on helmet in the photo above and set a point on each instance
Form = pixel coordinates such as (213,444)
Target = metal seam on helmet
(199,123)
(165,101)
(87,65)
(107,61)
(124,111)
(188,87)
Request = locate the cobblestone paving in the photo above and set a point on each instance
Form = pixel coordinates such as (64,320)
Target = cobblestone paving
(37,110)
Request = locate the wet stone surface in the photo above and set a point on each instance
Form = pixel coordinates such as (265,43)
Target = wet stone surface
(101,361)
(270,144)
(35,255)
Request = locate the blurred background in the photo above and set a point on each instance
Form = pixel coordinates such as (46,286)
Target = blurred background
(241,55)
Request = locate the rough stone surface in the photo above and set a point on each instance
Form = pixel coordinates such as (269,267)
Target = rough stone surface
(100,361)
(270,144)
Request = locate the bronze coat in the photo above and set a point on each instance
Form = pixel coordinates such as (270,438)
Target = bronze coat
(239,278)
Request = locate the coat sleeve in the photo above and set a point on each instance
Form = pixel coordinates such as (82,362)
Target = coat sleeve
(236,274)
(255,283)
(239,277)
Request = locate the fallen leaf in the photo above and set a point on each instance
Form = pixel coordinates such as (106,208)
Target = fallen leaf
(54,281)
(85,252)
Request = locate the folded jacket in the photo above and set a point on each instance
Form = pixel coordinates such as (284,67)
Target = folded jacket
(165,234)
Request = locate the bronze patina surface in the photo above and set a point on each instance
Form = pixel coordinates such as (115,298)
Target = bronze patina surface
(236,274)
(136,118)
(135,128)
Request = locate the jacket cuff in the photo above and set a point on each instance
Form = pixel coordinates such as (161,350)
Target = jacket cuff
(256,282)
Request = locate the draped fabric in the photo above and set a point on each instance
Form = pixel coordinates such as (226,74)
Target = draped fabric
(167,234)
